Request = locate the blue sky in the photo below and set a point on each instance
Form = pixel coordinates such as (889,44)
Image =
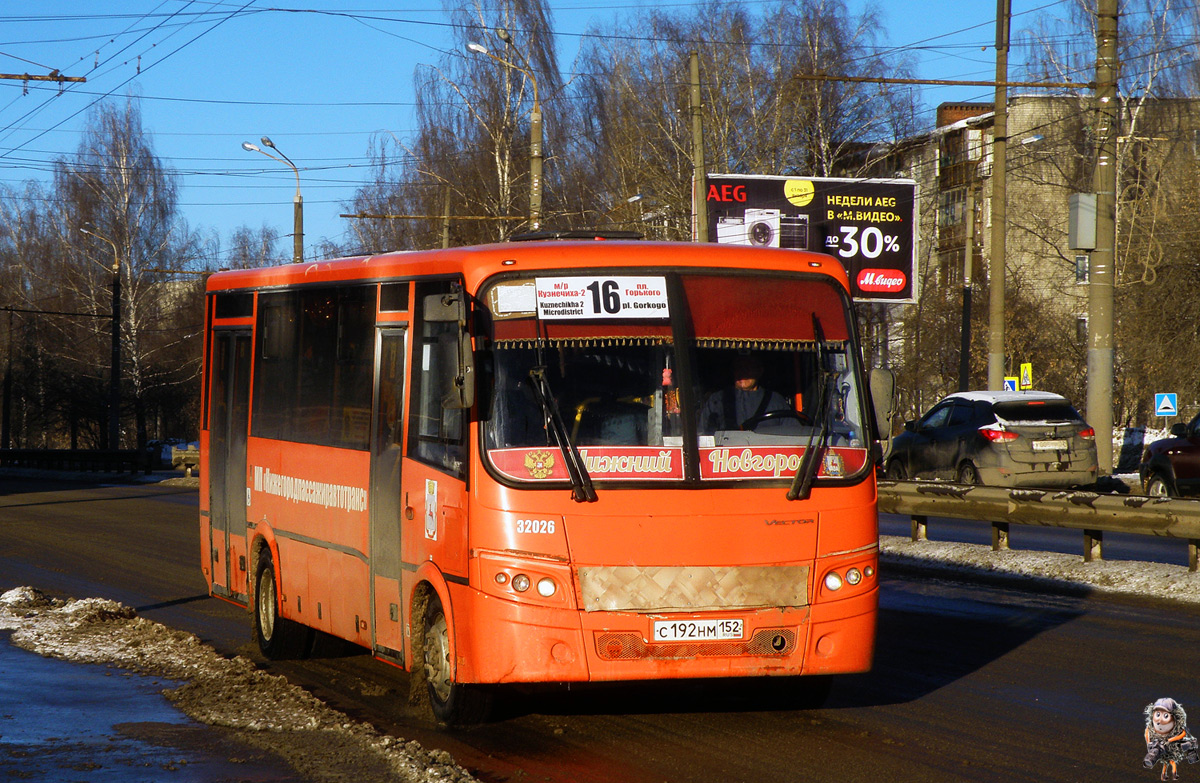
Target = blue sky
(319,78)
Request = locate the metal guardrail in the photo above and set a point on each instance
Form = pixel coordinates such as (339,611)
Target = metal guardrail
(188,459)
(98,460)
(1090,512)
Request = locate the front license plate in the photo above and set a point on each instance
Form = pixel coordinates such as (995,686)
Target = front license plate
(1049,445)
(697,630)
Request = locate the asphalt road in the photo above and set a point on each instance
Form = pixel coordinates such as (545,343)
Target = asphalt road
(970,682)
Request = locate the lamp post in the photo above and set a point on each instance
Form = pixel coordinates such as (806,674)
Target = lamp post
(298,216)
(114,376)
(535,125)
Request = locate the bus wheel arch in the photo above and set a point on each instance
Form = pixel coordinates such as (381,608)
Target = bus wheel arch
(434,680)
(278,637)
(257,547)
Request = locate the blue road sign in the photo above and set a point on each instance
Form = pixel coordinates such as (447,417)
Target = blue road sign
(1165,404)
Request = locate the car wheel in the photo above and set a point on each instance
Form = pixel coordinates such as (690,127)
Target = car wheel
(452,703)
(968,474)
(1157,487)
(896,471)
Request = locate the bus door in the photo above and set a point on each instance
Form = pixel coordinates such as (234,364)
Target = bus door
(386,449)
(229,423)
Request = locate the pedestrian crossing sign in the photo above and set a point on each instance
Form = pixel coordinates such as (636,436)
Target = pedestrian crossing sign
(1165,404)
(1010,383)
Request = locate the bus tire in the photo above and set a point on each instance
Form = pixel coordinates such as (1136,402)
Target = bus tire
(278,638)
(452,703)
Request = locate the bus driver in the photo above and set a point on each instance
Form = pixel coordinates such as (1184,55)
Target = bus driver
(740,407)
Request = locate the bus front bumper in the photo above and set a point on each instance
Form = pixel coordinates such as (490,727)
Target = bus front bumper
(507,642)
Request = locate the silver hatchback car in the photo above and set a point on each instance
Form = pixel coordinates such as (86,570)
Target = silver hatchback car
(1008,439)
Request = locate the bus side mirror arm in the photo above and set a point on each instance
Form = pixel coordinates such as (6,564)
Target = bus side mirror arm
(462,391)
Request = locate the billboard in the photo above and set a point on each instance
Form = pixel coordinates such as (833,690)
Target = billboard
(867,224)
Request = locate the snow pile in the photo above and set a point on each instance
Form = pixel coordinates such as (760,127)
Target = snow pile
(263,709)
(1131,577)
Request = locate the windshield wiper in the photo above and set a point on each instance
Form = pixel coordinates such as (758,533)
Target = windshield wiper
(806,474)
(581,483)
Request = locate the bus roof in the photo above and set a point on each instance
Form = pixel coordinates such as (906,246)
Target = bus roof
(477,262)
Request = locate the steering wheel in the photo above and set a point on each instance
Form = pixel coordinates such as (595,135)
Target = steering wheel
(782,413)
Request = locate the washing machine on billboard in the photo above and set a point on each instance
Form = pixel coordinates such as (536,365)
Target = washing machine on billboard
(764,228)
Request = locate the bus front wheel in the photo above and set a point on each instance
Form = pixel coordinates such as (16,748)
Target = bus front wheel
(452,703)
(278,638)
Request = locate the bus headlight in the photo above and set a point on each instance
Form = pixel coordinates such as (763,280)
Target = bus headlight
(546,587)
(833,581)
(853,576)
(520,583)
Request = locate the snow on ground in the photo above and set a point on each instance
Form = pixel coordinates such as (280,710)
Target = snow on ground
(263,710)
(1042,569)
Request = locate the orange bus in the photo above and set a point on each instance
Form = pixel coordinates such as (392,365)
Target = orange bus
(552,461)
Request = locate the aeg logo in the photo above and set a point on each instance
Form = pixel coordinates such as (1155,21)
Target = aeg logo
(727,193)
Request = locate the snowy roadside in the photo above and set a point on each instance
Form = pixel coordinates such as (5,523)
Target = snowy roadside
(1053,570)
(261,709)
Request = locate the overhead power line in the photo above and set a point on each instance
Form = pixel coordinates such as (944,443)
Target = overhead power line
(822,77)
(369,216)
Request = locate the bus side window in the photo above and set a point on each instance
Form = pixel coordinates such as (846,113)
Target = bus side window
(436,434)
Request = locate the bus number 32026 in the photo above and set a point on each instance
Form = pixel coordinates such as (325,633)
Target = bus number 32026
(543,526)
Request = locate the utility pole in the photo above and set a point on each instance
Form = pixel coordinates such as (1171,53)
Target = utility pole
(1103,258)
(536,134)
(446,219)
(6,415)
(114,375)
(999,196)
(699,202)
(297,202)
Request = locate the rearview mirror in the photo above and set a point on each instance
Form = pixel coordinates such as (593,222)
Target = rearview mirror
(883,396)
(451,307)
(442,308)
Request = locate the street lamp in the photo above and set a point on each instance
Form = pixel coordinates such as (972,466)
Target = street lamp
(114,375)
(298,218)
(535,125)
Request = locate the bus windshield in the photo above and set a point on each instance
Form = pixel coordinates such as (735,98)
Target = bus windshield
(698,377)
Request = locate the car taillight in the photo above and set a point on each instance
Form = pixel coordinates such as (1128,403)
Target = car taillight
(997,435)
(1089,433)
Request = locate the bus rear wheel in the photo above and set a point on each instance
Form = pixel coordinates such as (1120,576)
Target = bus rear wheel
(278,638)
(452,703)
